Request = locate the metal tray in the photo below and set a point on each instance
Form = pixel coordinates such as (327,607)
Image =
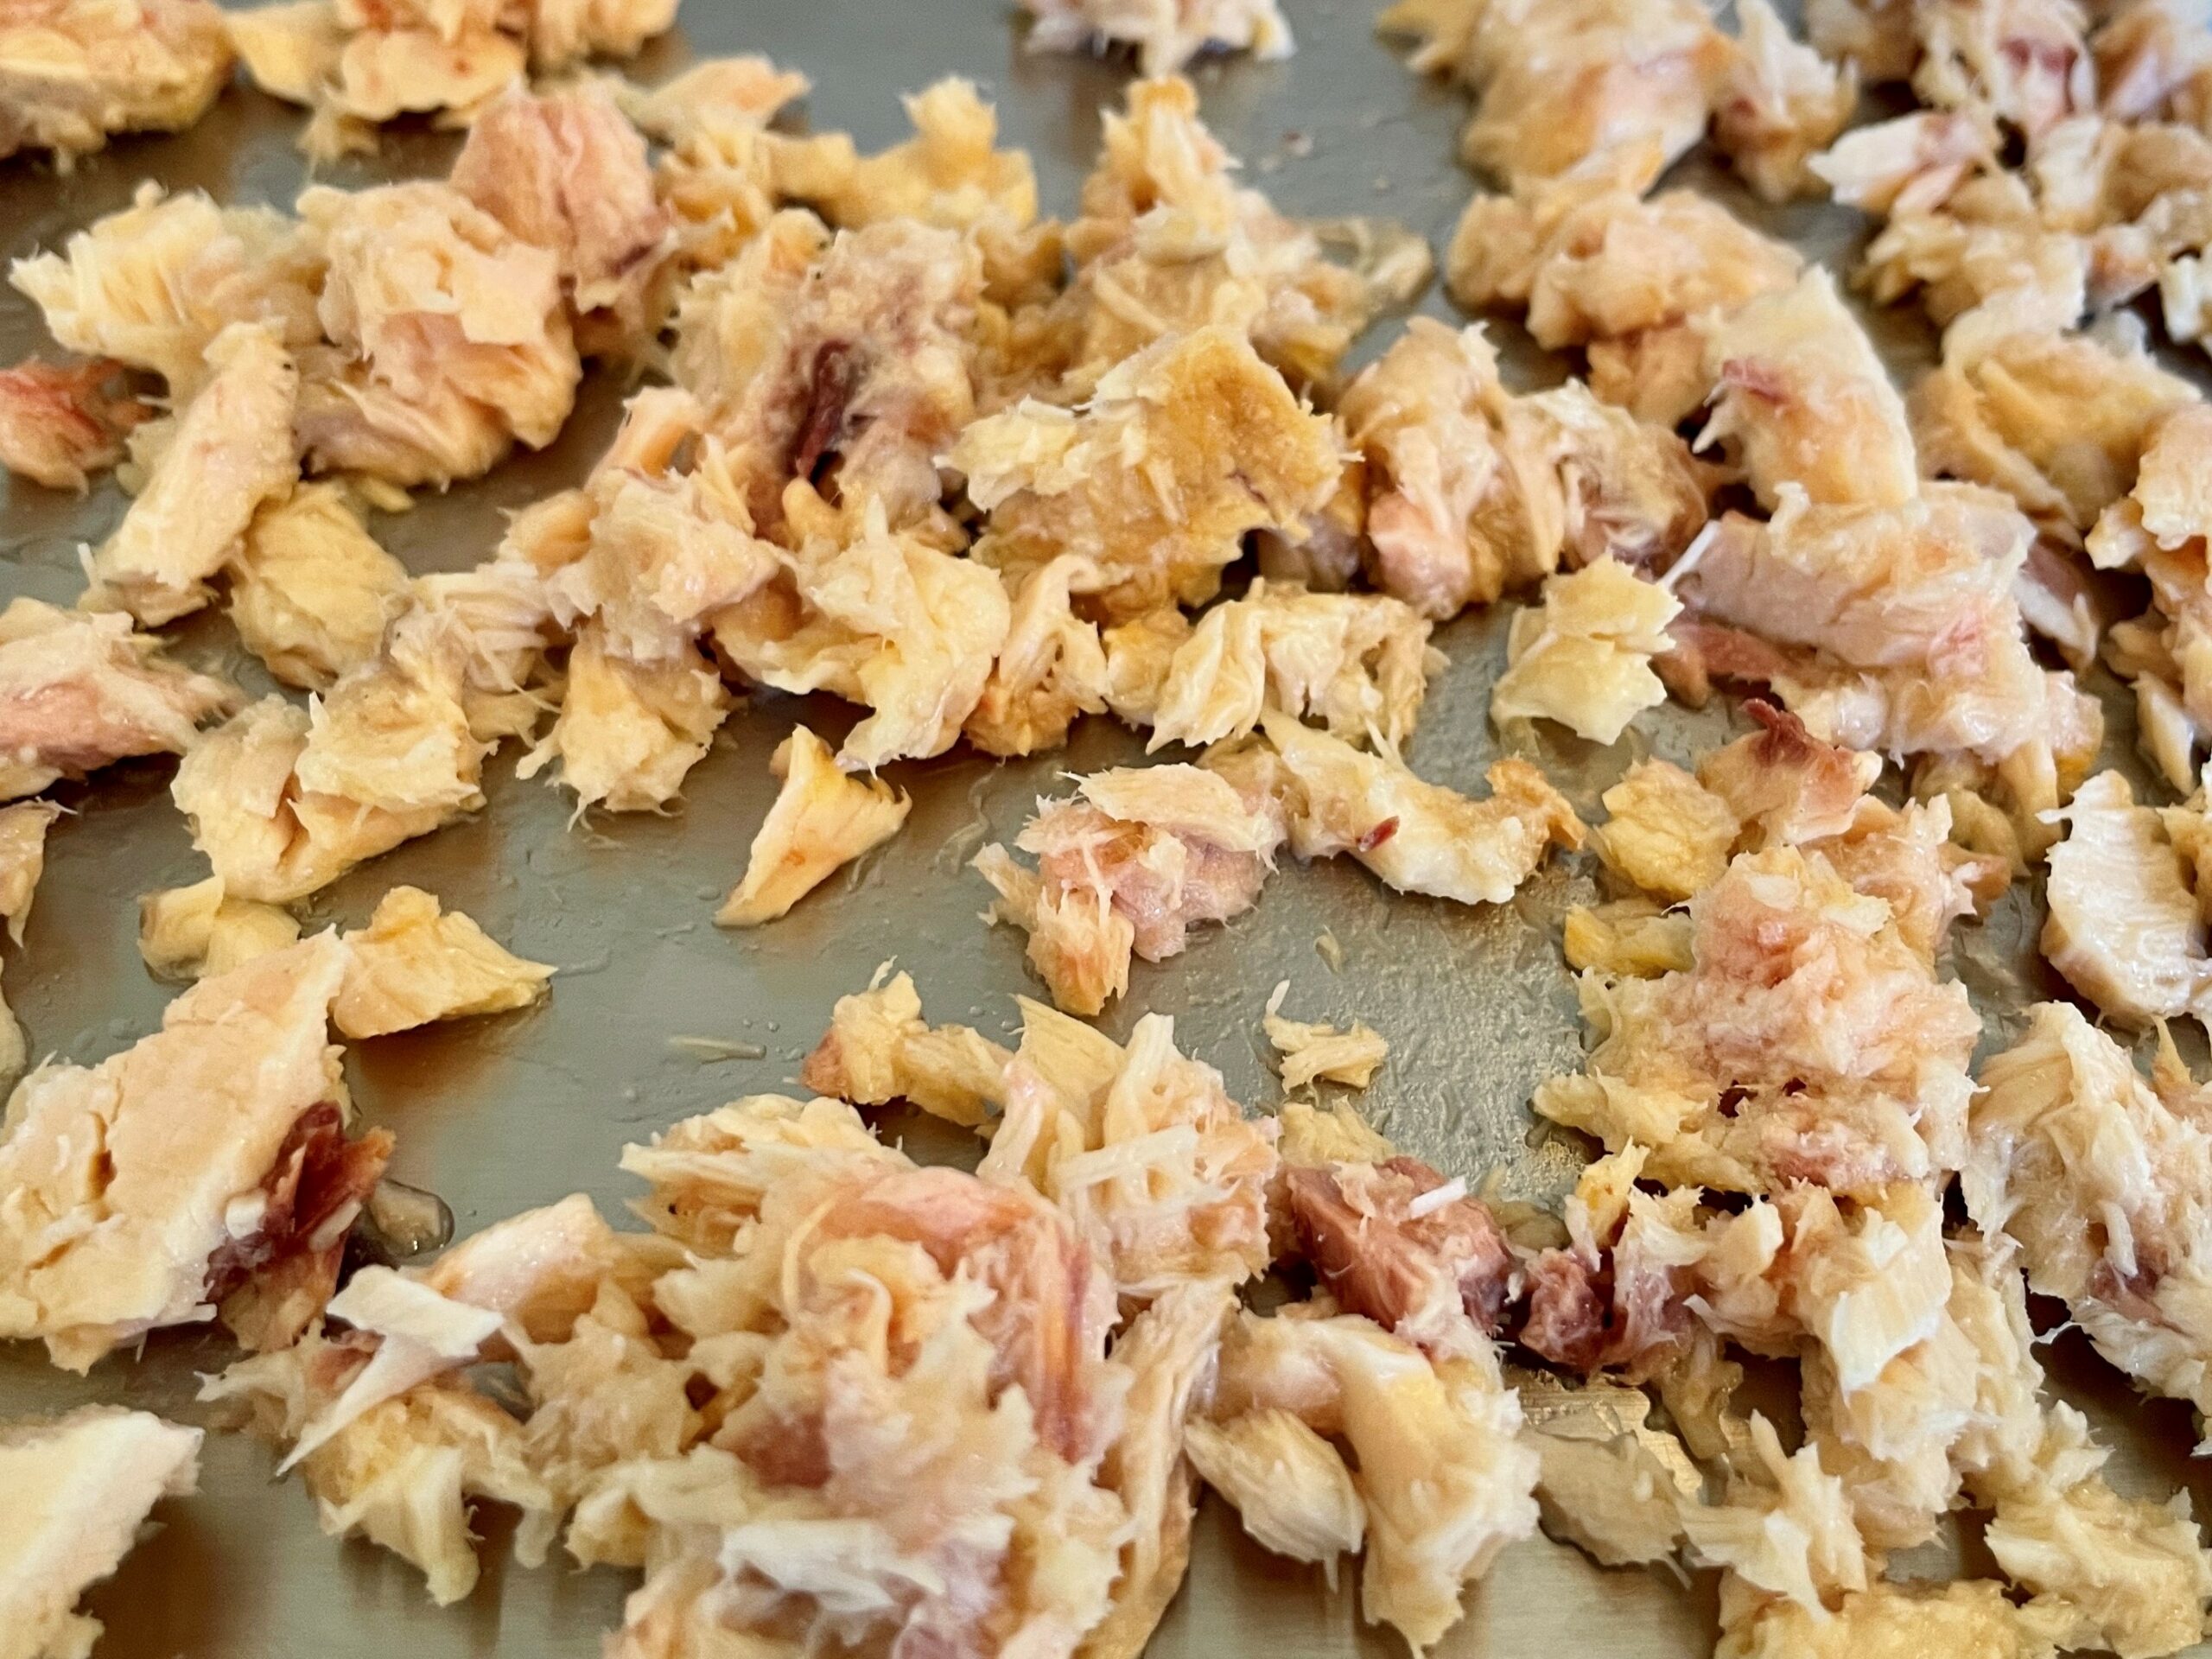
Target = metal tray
(501,1114)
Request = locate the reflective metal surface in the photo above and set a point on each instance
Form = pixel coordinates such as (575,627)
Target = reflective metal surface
(498,1114)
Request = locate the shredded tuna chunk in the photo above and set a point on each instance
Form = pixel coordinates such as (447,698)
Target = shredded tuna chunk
(2123,926)
(1751,1069)
(1787,1530)
(200,932)
(1629,939)
(879,1049)
(1667,833)
(1444,1478)
(2077,1157)
(153,285)
(821,820)
(1187,448)
(165,1156)
(230,452)
(567,172)
(1126,867)
(1165,36)
(78,692)
(1289,1485)
(311,590)
(884,620)
(71,71)
(61,422)
(1052,667)
(81,1488)
(415,964)
(1802,399)
(948,174)
(1883,1621)
(1416,835)
(1583,656)
(628,731)
(1777,102)
(450,338)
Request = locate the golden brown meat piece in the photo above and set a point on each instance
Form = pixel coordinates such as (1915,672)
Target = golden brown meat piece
(230,451)
(1187,446)
(61,422)
(1762,1065)
(185,1167)
(78,692)
(450,337)
(71,71)
(567,171)
(879,1049)
(1583,656)
(821,820)
(311,590)
(82,1487)
(152,286)
(1165,34)
(1128,866)
(949,174)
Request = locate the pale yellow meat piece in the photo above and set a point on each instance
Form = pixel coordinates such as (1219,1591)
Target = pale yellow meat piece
(1165,34)
(311,589)
(1306,1053)
(71,71)
(1886,1621)
(1052,667)
(78,692)
(820,820)
(1778,101)
(628,731)
(948,174)
(1583,657)
(879,1049)
(416,963)
(199,932)
(151,1162)
(230,452)
(1667,833)
(1629,938)
(22,859)
(2123,925)
(1289,1485)
(80,1490)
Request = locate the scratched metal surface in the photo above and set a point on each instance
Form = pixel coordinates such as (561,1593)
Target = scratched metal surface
(499,1115)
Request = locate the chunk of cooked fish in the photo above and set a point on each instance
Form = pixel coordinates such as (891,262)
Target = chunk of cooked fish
(2123,925)
(1632,938)
(200,932)
(61,422)
(821,820)
(311,589)
(416,963)
(628,731)
(1583,658)
(152,286)
(1306,1053)
(79,691)
(451,340)
(1127,866)
(232,451)
(1052,668)
(1164,37)
(83,1487)
(1750,1071)
(1187,448)
(1666,833)
(1778,100)
(71,71)
(879,1049)
(1289,1485)
(949,174)
(1802,399)
(882,619)
(1885,1620)
(1786,1530)
(565,170)
(1416,835)
(177,1169)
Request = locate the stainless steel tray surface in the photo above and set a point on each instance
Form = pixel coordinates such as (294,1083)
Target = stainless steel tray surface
(499,1115)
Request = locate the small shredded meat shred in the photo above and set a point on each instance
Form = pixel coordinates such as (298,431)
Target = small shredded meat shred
(154,1166)
(1165,34)
(1127,866)
(415,964)
(821,820)
(1416,835)
(1307,1052)
(59,423)
(1187,448)
(230,451)
(1583,658)
(1810,1042)
(71,71)
(1052,667)
(879,1049)
(80,1491)
(80,691)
